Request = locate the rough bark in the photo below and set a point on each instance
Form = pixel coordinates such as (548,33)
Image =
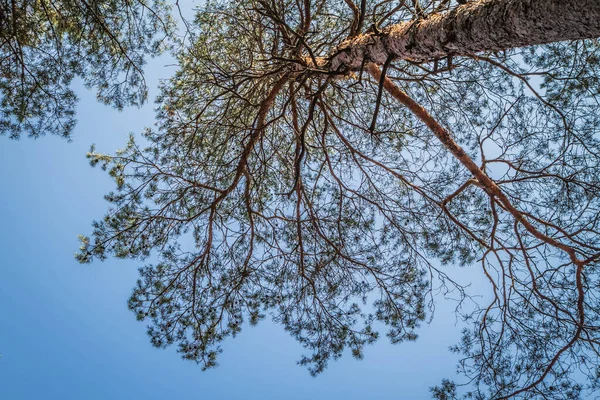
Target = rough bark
(478,26)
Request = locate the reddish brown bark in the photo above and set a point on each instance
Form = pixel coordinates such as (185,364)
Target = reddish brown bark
(478,26)
(485,181)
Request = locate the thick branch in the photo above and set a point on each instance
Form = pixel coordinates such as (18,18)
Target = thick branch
(478,26)
(459,153)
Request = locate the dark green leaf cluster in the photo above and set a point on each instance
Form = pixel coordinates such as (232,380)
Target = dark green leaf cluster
(45,45)
(265,191)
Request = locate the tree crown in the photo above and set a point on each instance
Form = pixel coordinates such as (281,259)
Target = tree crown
(278,182)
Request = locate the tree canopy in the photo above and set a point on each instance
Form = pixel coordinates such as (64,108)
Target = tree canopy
(45,44)
(328,162)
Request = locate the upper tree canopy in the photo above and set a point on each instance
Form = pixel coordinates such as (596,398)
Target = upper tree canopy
(45,44)
(288,175)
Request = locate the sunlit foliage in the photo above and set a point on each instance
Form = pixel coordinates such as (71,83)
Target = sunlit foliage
(272,187)
(45,45)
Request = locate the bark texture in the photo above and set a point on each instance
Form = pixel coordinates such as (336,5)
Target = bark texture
(478,26)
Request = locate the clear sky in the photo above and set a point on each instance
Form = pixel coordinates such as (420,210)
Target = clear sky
(66,333)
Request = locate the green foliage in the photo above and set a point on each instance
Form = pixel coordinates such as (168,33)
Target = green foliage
(46,44)
(446,391)
(263,192)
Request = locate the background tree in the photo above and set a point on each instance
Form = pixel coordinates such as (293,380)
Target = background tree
(44,45)
(289,175)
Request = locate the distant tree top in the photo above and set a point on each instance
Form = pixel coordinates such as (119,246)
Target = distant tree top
(45,44)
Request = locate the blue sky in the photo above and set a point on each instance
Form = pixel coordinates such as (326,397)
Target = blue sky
(66,332)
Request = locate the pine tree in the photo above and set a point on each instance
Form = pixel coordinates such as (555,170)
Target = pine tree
(44,45)
(327,163)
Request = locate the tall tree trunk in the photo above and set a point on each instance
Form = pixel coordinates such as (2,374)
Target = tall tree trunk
(478,26)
